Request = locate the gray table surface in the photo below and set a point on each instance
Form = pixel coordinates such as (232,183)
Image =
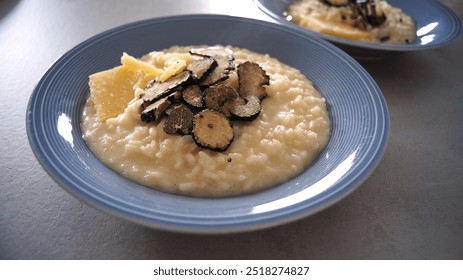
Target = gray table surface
(411,207)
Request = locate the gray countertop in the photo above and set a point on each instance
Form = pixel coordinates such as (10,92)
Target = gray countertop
(411,207)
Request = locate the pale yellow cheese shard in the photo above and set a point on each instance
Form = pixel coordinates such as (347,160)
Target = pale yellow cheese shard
(334,28)
(136,64)
(143,79)
(112,90)
(165,60)
(172,64)
(172,70)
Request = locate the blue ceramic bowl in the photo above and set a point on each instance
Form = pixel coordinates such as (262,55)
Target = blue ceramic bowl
(360,126)
(437,26)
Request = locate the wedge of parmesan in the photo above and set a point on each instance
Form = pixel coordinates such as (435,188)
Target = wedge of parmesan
(111,90)
(172,64)
(136,64)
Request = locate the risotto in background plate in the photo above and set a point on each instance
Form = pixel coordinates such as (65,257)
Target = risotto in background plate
(374,21)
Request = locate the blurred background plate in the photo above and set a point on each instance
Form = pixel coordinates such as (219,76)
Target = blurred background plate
(436,25)
(360,126)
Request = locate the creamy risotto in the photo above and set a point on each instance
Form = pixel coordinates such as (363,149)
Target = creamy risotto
(292,128)
(373,21)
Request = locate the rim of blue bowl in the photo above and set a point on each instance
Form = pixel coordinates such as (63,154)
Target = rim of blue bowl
(165,221)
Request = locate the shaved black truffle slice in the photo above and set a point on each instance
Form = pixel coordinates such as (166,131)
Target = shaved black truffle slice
(155,111)
(212,130)
(252,79)
(193,96)
(247,112)
(175,97)
(338,3)
(213,51)
(215,97)
(224,59)
(180,120)
(220,72)
(159,90)
(371,13)
(366,13)
(200,68)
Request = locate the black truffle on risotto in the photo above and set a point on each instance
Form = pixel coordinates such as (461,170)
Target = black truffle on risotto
(212,130)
